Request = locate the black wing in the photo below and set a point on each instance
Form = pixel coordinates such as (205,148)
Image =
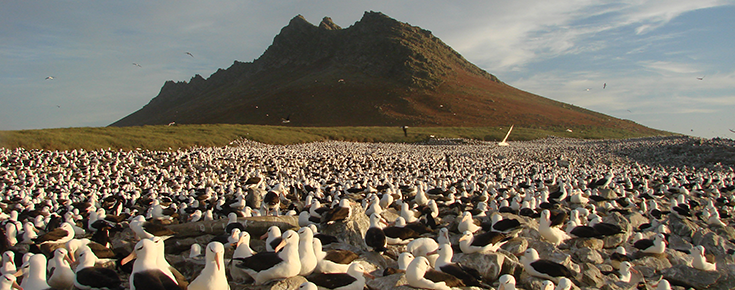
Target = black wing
(437,276)
(259,261)
(99,278)
(153,280)
(400,233)
(332,280)
(460,272)
(488,238)
(552,269)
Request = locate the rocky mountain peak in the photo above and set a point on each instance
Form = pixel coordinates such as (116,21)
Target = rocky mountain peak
(328,24)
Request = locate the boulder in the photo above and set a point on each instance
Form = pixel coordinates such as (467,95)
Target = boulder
(256,226)
(607,193)
(587,255)
(395,281)
(516,245)
(690,277)
(681,227)
(489,265)
(591,276)
(352,230)
(587,243)
(650,265)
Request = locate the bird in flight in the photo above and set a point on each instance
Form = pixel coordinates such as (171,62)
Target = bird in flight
(604,85)
(58,107)
(189,54)
(286,120)
(588,89)
(731,130)
(49,78)
(701,78)
(135,64)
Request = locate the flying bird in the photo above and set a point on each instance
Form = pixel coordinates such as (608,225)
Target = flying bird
(135,64)
(701,78)
(49,78)
(604,85)
(189,54)
(59,107)
(731,130)
(286,120)
(588,89)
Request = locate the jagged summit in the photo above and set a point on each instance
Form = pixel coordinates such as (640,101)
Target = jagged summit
(377,72)
(328,24)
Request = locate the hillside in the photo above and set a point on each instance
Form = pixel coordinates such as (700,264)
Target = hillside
(377,72)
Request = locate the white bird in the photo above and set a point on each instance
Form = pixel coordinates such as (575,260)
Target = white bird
(468,223)
(213,275)
(306,251)
(553,235)
(49,78)
(8,266)
(8,282)
(147,268)
(59,267)
(699,260)
(242,250)
(415,275)
(34,271)
(507,282)
(564,284)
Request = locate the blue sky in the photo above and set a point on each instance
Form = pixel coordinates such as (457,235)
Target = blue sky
(649,53)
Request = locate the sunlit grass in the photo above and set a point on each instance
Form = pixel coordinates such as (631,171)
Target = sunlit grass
(185,136)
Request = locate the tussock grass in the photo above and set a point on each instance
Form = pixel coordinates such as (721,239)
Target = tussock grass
(185,136)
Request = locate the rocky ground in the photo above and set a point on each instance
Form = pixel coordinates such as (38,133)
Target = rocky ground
(663,163)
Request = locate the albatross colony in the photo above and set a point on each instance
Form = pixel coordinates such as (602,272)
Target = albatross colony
(549,213)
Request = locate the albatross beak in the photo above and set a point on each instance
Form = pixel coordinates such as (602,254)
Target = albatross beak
(18,273)
(431,253)
(129,258)
(368,275)
(16,286)
(280,245)
(69,259)
(264,236)
(218,261)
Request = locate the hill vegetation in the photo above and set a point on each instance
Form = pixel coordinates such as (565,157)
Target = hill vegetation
(377,72)
(161,137)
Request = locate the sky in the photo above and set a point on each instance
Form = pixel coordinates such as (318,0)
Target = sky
(664,64)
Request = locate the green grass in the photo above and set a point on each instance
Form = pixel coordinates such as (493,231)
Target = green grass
(185,136)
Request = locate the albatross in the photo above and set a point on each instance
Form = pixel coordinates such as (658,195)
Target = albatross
(213,275)
(283,263)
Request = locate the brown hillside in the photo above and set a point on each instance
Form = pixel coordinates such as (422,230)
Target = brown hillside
(377,72)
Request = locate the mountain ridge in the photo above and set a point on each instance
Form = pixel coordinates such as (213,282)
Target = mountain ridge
(377,72)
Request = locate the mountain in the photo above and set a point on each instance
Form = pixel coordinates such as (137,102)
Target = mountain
(377,72)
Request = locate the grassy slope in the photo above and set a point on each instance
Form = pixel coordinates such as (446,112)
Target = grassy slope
(184,136)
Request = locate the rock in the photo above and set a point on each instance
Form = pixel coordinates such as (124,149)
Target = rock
(682,274)
(591,276)
(681,227)
(395,281)
(511,265)
(256,226)
(619,220)
(587,243)
(352,230)
(636,219)
(288,284)
(489,265)
(678,258)
(608,193)
(516,245)
(587,255)
(650,265)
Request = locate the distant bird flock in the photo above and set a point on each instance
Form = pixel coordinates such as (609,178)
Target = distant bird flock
(548,214)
